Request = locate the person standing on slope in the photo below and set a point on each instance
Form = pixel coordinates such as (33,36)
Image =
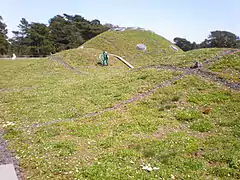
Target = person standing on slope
(105,58)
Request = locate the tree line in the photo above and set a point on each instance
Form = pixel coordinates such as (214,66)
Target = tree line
(217,39)
(70,31)
(62,32)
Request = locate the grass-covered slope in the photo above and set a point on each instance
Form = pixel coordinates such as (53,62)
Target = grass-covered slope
(97,125)
(228,67)
(124,44)
(189,129)
(187,59)
(85,57)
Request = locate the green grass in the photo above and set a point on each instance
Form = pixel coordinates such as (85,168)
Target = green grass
(202,126)
(86,58)
(167,129)
(188,58)
(66,95)
(124,44)
(228,67)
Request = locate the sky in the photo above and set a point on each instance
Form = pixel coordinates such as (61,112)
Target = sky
(190,19)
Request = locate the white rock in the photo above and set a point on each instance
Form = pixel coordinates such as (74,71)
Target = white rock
(155,168)
(141,47)
(147,168)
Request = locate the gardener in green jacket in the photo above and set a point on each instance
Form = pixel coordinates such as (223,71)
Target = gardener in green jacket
(105,58)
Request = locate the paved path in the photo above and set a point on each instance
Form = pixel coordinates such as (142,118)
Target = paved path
(8,163)
(123,60)
(7,172)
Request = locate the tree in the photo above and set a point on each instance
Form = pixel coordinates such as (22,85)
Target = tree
(222,39)
(39,39)
(32,39)
(184,44)
(63,32)
(110,26)
(20,42)
(238,42)
(95,22)
(205,44)
(71,31)
(195,45)
(4,44)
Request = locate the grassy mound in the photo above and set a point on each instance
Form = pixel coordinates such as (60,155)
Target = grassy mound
(124,44)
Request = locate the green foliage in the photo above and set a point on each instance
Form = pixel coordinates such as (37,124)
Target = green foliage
(63,32)
(217,39)
(238,43)
(3,38)
(184,44)
(223,39)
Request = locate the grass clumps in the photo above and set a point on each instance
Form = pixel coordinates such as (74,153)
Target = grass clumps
(188,115)
(201,126)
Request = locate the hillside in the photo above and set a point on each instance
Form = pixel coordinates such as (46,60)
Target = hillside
(64,117)
(123,44)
